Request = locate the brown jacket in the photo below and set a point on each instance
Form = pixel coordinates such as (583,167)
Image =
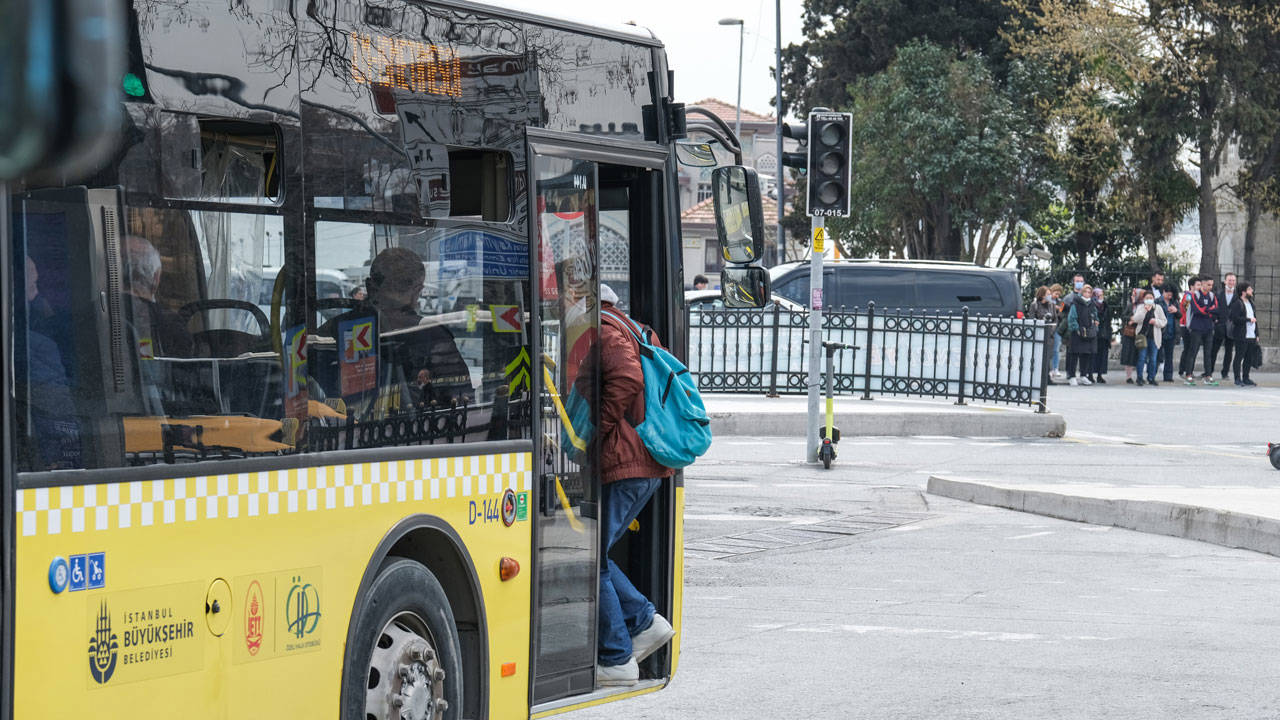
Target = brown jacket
(622,454)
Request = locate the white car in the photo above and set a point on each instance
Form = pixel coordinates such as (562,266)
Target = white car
(710,300)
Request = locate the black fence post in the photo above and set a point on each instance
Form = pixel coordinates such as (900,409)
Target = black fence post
(773,371)
(1049,328)
(964,350)
(871,328)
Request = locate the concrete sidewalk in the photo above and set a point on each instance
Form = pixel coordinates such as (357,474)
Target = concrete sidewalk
(1233,516)
(786,416)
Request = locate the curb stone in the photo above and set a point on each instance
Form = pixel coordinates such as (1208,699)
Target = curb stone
(1192,522)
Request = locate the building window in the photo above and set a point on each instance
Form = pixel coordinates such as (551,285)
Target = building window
(704,191)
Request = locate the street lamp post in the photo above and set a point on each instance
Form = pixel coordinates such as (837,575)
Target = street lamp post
(778,184)
(737,123)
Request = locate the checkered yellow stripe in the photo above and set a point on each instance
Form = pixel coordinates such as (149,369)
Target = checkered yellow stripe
(333,488)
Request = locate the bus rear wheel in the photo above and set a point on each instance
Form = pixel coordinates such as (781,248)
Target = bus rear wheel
(405,663)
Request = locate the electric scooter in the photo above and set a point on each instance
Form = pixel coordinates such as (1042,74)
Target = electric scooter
(830,434)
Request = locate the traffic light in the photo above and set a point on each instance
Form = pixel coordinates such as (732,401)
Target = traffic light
(830,135)
(799,133)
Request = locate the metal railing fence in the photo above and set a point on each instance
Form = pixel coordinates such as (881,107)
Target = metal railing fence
(965,357)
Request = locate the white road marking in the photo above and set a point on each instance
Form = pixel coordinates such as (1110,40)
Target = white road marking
(948,634)
(1030,535)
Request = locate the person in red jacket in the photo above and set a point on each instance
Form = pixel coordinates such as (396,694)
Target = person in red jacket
(629,628)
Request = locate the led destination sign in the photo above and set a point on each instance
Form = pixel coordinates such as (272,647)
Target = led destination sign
(407,65)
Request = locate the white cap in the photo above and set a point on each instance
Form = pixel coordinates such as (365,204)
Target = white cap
(608,295)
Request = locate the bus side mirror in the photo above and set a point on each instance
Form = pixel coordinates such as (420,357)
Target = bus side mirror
(744,287)
(739,213)
(62,63)
(695,154)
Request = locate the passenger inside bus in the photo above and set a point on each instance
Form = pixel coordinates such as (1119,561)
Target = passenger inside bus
(55,430)
(420,356)
(158,331)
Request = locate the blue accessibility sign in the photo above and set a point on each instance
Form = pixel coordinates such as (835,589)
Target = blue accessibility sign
(79,576)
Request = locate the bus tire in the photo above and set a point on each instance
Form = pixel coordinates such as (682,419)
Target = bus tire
(406,662)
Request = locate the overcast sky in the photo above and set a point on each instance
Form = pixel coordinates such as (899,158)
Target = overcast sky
(703,53)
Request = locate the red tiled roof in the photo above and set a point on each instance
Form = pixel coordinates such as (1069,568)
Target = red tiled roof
(704,213)
(728,112)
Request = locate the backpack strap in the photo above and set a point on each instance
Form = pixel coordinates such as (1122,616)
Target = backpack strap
(629,324)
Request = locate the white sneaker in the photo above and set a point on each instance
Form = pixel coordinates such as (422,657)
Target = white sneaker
(1085,381)
(1073,381)
(624,675)
(648,641)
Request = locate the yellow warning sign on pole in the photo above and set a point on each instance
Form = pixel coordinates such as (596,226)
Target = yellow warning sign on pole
(819,240)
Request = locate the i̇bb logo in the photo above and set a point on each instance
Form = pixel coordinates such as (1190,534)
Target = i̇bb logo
(253,618)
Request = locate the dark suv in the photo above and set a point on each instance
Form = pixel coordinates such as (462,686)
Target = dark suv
(932,287)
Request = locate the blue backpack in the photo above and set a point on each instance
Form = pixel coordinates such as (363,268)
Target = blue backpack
(676,429)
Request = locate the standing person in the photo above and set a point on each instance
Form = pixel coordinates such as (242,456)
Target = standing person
(1082,329)
(1204,310)
(1173,317)
(1128,350)
(1045,310)
(629,629)
(1244,328)
(1103,347)
(1222,335)
(1055,297)
(1156,286)
(1150,321)
(1184,329)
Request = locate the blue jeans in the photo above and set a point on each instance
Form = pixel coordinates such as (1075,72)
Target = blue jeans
(624,612)
(1147,358)
(1057,344)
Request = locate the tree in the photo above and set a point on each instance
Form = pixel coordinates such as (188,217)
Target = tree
(1193,54)
(1257,123)
(939,149)
(849,39)
(1120,119)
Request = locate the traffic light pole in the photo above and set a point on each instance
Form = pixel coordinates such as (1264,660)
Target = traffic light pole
(817,247)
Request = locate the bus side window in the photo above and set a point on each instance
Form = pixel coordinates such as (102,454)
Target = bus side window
(426,353)
(203,335)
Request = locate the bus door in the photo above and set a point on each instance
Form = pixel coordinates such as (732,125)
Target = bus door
(582,216)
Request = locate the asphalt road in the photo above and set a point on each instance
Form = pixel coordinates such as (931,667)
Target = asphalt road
(850,593)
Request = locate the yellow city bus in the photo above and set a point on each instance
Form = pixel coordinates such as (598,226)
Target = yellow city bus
(300,381)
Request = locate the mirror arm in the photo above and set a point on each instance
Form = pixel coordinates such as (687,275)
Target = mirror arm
(736,145)
(718,137)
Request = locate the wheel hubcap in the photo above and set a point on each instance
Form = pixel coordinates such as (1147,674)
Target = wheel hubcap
(406,681)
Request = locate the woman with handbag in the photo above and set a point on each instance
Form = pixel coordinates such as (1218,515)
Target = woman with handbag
(1128,348)
(1149,321)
